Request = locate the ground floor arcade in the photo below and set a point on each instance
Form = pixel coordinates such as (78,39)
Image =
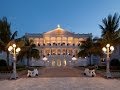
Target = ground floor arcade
(59,61)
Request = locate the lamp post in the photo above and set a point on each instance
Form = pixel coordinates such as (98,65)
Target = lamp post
(108,50)
(74,59)
(45,59)
(13,50)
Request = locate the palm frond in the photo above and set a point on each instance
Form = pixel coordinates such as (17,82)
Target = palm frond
(14,35)
(2,43)
(109,28)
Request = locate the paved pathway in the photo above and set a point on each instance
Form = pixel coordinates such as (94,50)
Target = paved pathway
(60,72)
(61,83)
(60,78)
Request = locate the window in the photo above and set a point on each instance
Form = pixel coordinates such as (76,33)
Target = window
(0,52)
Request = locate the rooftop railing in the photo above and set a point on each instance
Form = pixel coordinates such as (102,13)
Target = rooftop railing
(58,44)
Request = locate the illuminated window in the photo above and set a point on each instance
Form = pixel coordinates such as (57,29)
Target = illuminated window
(58,62)
(53,62)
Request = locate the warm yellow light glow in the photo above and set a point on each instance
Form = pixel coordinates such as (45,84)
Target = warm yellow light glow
(108,45)
(112,48)
(58,62)
(45,59)
(14,45)
(58,38)
(104,49)
(53,63)
(10,48)
(18,50)
(58,26)
(74,58)
(65,63)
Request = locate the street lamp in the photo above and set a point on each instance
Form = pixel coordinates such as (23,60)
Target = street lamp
(108,50)
(13,50)
(74,59)
(45,59)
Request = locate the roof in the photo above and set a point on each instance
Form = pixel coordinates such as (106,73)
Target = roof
(58,31)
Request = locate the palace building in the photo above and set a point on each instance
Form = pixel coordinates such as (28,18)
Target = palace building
(57,47)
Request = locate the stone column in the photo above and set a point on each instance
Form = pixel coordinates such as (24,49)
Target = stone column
(60,40)
(50,39)
(51,51)
(72,52)
(67,40)
(73,41)
(56,51)
(66,51)
(44,51)
(55,39)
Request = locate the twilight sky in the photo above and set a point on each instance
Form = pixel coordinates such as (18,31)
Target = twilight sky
(38,16)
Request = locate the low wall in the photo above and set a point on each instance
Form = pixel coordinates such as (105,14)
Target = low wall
(5,75)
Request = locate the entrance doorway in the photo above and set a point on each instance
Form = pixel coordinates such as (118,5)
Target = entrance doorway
(53,63)
(58,63)
(64,62)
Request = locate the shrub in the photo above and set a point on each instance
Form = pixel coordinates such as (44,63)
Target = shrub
(101,67)
(20,68)
(114,62)
(6,68)
(3,62)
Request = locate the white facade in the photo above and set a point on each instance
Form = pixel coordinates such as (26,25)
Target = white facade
(116,53)
(59,47)
(3,56)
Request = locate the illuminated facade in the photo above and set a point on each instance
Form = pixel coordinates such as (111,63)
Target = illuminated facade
(58,46)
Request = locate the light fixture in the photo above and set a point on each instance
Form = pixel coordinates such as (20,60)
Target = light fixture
(13,50)
(112,48)
(14,45)
(108,50)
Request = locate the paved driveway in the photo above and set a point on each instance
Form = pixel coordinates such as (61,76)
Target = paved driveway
(61,83)
(64,78)
(60,72)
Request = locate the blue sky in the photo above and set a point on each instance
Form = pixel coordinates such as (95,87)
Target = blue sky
(38,16)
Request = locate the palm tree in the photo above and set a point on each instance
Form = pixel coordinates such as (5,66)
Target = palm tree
(110,29)
(6,36)
(90,47)
(85,48)
(28,50)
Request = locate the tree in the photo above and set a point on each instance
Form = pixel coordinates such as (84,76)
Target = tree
(110,30)
(6,36)
(90,47)
(85,48)
(28,50)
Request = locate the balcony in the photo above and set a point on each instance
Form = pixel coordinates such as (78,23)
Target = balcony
(58,45)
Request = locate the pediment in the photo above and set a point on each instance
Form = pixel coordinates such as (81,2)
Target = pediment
(58,31)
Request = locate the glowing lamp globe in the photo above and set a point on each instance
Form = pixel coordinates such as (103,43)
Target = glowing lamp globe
(18,50)
(108,45)
(112,48)
(104,49)
(10,48)
(14,45)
